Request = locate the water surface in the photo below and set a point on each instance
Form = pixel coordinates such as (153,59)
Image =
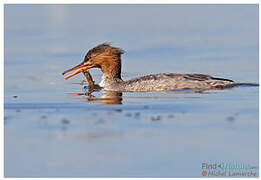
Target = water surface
(52,129)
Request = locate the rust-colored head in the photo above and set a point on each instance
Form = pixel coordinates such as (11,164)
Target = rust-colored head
(103,56)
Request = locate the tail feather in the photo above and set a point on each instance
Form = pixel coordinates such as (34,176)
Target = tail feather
(222,79)
(227,86)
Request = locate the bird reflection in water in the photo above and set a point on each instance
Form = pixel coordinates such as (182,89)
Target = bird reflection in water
(109,97)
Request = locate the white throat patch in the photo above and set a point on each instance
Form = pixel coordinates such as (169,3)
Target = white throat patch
(102,83)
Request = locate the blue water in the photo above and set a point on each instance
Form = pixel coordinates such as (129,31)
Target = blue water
(52,129)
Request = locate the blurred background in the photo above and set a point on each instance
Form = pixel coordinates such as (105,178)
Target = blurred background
(213,39)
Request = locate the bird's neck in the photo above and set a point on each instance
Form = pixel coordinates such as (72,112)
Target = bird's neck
(111,70)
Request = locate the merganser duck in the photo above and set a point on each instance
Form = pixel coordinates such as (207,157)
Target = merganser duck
(108,59)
